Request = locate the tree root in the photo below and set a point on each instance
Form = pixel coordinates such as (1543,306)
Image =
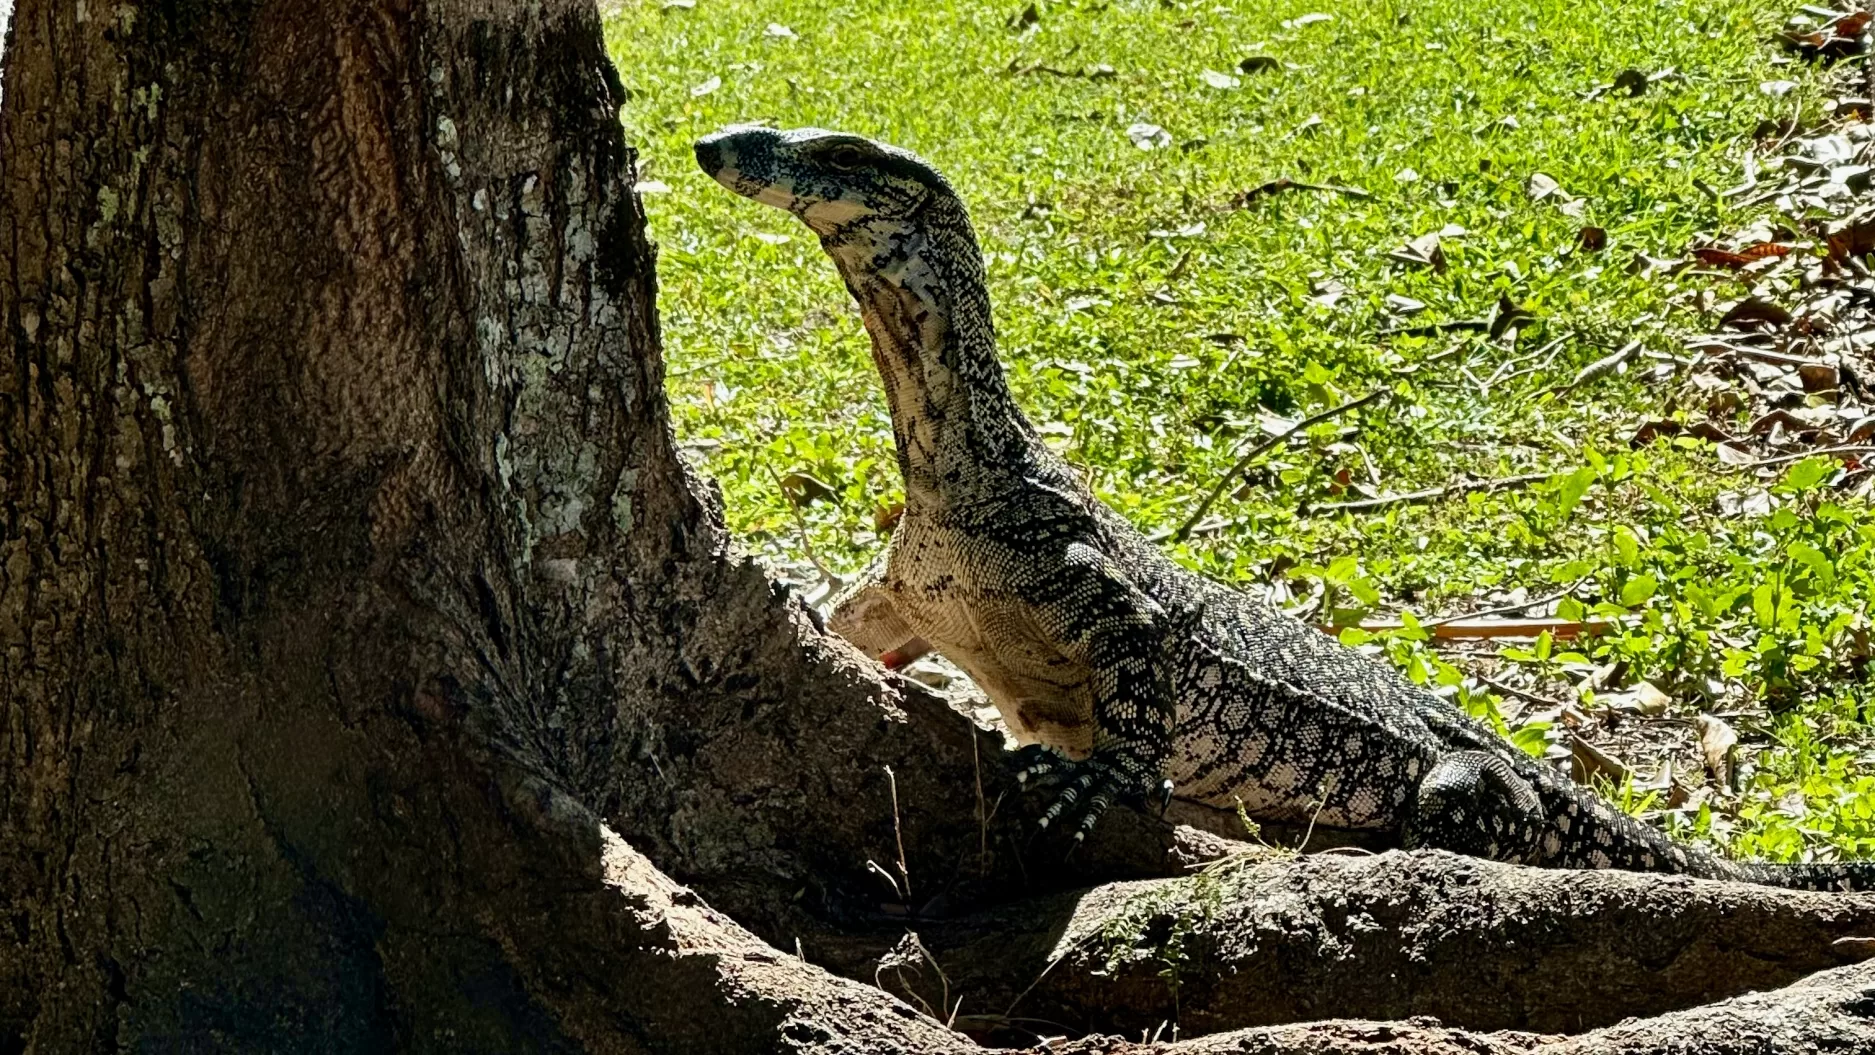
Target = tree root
(1262,940)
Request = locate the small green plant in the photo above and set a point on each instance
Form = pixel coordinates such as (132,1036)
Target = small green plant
(1160,923)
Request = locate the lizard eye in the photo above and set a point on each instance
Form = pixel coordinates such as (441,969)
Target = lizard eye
(846,157)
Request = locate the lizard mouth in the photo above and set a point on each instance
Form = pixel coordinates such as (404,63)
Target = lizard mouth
(721,156)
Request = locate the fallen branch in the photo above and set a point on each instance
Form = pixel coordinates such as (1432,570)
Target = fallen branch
(1410,368)
(1511,690)
(1269,939)
(1502,483)
(1184,530)
(1763,355)
(1505,371)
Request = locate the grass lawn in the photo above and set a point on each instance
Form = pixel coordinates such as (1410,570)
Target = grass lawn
(1155,323)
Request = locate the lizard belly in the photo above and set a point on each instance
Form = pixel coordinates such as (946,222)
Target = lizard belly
(1042,695)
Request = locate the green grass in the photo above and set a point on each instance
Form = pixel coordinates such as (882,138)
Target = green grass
(1149,324)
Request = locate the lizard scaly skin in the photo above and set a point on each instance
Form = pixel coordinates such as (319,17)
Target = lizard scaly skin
(1126,674)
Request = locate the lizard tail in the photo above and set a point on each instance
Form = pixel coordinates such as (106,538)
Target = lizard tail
(1585,831)
(1849,876)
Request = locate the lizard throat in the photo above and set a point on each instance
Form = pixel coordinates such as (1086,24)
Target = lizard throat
(922,296)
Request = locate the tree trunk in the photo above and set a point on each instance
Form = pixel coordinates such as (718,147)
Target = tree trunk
(339,509)
(349,575)
(355,608)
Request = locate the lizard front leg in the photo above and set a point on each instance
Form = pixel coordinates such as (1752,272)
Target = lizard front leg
(1089,613)
(863,614)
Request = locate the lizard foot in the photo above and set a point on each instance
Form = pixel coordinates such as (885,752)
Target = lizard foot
(1474,803)
(1088,786)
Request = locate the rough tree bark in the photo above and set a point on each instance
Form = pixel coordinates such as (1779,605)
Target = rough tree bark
(356,610)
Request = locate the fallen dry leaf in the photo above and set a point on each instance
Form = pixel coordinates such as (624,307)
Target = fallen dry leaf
(1820,377)
(1147,136)
(1706,430)
(1652,429)
(1839,38)
(802,489)
(1716,742)
(1755,313)
(1308,125)
(1644,698)
(1713,256)
(1766,422)
(1588,762)
(1850,237)
(1755,503)
(1507,316)
(1423,251)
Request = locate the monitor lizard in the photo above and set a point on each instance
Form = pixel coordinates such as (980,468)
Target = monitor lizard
(1127,676)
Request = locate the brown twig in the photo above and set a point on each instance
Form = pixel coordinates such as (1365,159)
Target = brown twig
(1427,329)
(1502,483)
(800,524)
(1852,448)
(1602,367)
(1283,183)
(898,833)
(1506,609)
(1465,629)
(1184,530)
(1512,690)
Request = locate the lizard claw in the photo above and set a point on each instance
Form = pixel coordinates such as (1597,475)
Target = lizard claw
(1039,766)
(1161,797)
(1088,786)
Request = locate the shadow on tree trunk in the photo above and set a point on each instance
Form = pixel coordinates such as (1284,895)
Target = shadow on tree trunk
(374,670)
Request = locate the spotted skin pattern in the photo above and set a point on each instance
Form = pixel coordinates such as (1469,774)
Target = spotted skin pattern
(1126,676)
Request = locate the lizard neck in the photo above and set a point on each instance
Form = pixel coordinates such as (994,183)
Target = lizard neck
(921,291)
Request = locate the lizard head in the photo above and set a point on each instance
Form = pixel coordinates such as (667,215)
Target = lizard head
(838,184)
(901,239)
